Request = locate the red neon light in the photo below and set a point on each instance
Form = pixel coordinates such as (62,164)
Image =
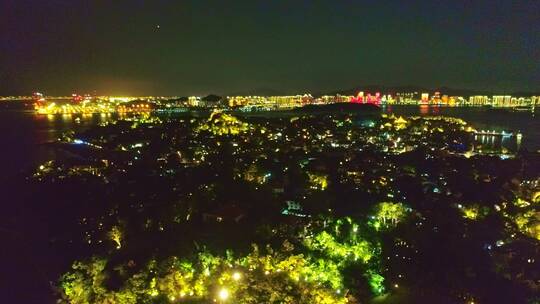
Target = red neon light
(370,99)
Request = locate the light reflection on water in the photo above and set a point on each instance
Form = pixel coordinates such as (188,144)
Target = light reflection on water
(527,123)
(23,136)
(492,143)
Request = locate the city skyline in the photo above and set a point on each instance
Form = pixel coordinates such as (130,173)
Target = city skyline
(391,90)
(190,48)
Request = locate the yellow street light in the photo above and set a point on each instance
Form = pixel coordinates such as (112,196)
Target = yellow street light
(223,294)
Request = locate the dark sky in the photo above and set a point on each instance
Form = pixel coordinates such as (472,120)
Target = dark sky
(292,46)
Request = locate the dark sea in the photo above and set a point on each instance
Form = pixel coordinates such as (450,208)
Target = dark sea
(24,135)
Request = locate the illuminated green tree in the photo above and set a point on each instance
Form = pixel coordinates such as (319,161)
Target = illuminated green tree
(376,282)
(318,181)
(357,250)
(220,123)
(116,236)
(389,214)
(85,283)
(273,277)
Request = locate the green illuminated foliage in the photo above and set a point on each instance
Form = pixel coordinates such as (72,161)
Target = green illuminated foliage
(273,277)
(350,250)
(525,217)
(318,181)
(528,224)
(220,123)
(356,250)
(521,203)
(116,236)
(85,283)
(388,214)
(536,197)
(471,212)
(376,282)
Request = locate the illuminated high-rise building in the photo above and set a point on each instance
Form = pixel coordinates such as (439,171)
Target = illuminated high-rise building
(437,97)
(535,100)
(405,97)
(501,101)
(444,99)
(38,98)
(359,98)
(478,100)
(424,98)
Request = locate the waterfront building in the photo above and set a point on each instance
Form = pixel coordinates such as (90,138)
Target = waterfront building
(501,101)
(478,100)
(342,98)
(444,99)
(425,97)
(326,99)
(436,97)
(404,97)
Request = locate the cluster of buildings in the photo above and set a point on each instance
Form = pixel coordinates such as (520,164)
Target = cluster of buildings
(403,98)
(502,101)
(291,101)
(475,100)
(109,104)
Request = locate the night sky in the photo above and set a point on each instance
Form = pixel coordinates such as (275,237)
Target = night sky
(225,47)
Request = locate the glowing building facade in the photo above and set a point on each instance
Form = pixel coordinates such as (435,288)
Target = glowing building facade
(478,100)
(425,98)
(502,101)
